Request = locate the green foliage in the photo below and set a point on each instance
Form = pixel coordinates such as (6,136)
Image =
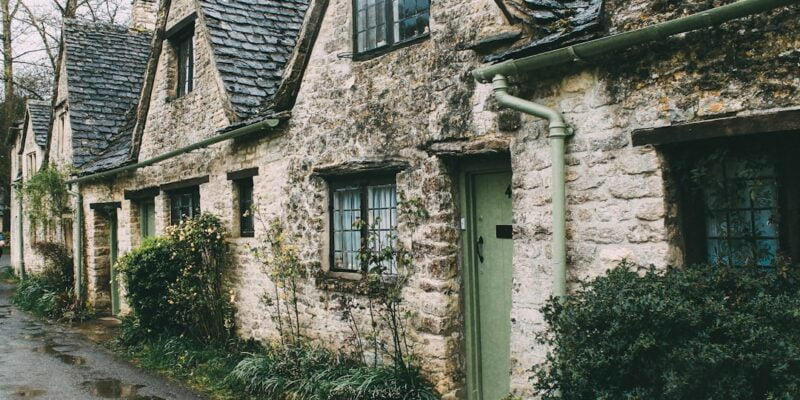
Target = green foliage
(281,262)
(7,275)
(50,294)
(58,265)
(199,364)
(179,285)
(303,372)
(699,332)
(148,272)
(46,197)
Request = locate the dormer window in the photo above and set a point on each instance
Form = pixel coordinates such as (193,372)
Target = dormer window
(380,25)
(184,51)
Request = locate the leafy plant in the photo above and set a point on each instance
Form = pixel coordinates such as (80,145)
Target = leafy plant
(280,261)
(305,372)
(50,293)
(178,284)
(46,197)
(698,332)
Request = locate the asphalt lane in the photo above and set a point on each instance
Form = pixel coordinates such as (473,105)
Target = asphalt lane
(44,361)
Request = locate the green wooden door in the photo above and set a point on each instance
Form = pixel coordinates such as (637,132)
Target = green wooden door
(488,251)
(147,218)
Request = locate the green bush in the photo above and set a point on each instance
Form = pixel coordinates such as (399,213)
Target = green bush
(699,332)
(304,372)
(178,284)
(50,293)
(148,272)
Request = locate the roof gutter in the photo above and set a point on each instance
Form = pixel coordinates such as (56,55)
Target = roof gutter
(587,51)
(238,132)
(558,130)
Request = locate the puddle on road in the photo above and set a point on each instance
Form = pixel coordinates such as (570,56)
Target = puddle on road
(99,330)
(23,392)
(115,389)
(59,351)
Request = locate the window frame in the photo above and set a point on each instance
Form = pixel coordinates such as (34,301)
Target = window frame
(241,184)
(391,43)
(692,218)
(145,205)
(363,182)
(195,207)
(182,42)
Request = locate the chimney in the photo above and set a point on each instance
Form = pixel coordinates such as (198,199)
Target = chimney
(143,14)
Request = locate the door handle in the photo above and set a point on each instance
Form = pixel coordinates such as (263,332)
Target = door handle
(479,248)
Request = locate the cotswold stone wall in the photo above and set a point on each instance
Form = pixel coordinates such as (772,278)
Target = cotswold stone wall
(413,102)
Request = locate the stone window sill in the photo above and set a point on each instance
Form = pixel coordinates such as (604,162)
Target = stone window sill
(347,282)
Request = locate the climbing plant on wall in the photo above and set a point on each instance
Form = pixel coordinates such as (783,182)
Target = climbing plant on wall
(45,198)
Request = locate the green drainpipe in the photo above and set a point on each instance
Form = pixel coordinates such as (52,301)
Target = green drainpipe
(558,132)
(20,226)
(583,52)
(78,243)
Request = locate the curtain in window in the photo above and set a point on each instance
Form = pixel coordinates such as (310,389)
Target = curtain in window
(383,220)
(346,233)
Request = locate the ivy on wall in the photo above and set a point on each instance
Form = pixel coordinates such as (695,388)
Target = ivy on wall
(45,198)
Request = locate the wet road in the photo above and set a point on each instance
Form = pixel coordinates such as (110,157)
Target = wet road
(44,361)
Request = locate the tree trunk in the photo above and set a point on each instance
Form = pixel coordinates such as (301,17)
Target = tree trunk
(9,108)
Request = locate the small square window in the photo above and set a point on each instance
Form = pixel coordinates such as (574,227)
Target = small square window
(363,216)
(380,24)
(184,204)
(738,200)
(147,218)
(246,222)
(184,52)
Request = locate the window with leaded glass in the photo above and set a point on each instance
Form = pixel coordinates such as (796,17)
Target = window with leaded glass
(739,200)
(246,223)
(363,217)
(382,24)
(742,218)
(184,51)
(184,204)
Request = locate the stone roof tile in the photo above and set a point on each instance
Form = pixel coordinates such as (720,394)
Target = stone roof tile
(40,112)
(252,42)
(105,68)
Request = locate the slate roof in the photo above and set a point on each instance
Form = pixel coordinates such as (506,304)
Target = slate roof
(252,42)
(558,22)
(105,68)
(40,112)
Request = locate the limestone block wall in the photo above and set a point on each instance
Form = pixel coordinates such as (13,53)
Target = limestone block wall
(400,104)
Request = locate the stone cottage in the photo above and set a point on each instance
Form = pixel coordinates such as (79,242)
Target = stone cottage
(362,109)
(29,141)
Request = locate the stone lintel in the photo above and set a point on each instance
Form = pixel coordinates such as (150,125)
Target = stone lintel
(482,145)
(143,193)
(361,167)
(242,174)
(772,122)
(184,183)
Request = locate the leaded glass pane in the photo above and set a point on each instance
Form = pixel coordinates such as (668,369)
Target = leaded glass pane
(346,229)
(742,213)
(383,220)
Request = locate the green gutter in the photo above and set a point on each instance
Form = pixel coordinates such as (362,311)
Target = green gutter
(78,243)
(20,244)
(245,130)
(594,48)
(585,52)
